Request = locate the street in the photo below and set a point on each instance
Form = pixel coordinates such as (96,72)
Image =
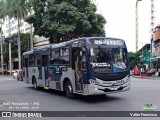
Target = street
(143,91)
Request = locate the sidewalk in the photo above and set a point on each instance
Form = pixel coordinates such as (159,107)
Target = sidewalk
(6,75)
(151,78)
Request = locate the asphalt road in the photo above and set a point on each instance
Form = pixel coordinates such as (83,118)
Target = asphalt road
(143,91)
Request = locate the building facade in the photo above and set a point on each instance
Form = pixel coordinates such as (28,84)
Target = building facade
(145,55)
(10,27)
(155,59)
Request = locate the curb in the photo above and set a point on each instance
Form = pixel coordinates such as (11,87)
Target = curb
(146,77)
(140,77)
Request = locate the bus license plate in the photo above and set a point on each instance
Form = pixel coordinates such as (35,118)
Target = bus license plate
(114,88)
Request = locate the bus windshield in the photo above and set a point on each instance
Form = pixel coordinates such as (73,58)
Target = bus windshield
(104,59)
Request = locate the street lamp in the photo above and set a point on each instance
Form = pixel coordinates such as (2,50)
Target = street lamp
(2,69)
(137,24)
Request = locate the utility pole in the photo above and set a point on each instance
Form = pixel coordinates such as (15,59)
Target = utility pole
(2,69)
(10,56)
(137,24)
(152,30)
(31,39)
(19,46)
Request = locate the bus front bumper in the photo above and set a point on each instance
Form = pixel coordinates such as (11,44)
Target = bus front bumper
(106,87)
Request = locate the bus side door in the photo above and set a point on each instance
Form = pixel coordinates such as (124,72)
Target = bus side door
(44,70)
(77,66)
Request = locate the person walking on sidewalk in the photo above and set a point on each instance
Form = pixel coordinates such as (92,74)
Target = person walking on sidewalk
(142,71)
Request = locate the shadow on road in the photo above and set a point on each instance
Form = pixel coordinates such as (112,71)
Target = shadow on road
(97,98)
(80,98)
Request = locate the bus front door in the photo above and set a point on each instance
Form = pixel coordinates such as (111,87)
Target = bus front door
(76,65)
(45,71)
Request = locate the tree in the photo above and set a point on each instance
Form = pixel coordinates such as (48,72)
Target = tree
(18,10)
(6,9)
(62,20)
(24,43)
(134,59)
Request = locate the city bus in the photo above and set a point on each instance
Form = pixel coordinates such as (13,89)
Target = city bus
(85,66)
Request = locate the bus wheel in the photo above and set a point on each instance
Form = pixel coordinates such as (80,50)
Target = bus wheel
(35,84)
(69,90)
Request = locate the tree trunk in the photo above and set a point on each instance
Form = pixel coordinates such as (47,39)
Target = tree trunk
(19,45)
(2,69)
(31,39)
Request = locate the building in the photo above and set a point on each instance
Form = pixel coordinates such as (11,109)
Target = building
(157,41)
(155,59)
(13,22)
(145,55)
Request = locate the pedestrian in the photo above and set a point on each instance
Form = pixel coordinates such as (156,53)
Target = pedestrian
(142,71)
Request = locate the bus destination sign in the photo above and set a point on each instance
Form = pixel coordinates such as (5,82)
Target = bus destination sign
(108,42)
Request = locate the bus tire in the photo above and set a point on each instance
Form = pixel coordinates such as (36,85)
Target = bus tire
(35,84)
(69,90)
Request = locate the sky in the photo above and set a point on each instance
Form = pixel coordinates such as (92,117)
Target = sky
(120,16)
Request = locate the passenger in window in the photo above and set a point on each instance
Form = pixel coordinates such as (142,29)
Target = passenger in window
(83,61)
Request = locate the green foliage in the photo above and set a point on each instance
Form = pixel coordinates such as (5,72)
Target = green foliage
(20,10)
(62,20)
(25,43)
(134,59)
(6,8)
(13,8)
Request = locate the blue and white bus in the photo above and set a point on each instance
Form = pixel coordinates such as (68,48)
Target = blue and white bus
(86,66)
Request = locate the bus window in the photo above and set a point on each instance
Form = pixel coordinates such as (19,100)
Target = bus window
(23,62)
(64,55)
(26,62)
(31,60)
(44,60)
(38,59)
(55,56)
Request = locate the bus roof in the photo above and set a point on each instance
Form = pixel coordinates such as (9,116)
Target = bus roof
(50,46)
